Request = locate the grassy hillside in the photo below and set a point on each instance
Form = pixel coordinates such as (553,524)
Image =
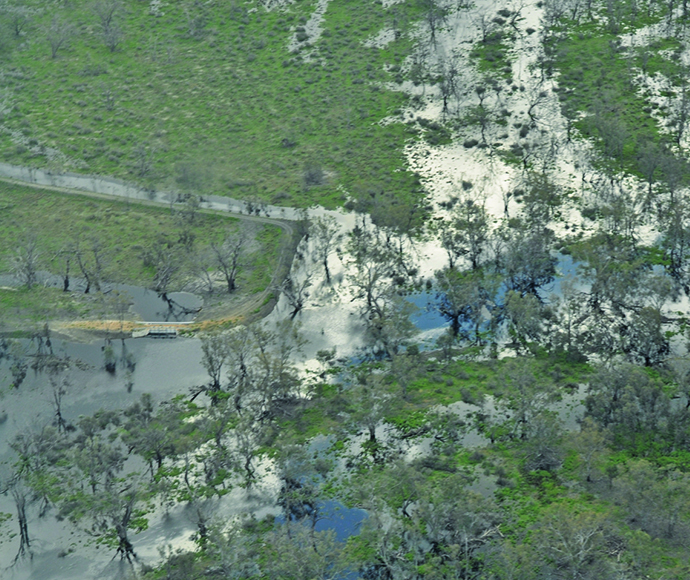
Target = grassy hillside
(207,96)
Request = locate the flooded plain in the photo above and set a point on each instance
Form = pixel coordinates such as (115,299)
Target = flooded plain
(330,317)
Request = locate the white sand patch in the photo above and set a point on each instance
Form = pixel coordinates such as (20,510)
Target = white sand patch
(155,8)
(381,40)
(529,102)
(312,30)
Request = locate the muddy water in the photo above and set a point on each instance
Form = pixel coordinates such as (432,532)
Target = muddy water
(162,368)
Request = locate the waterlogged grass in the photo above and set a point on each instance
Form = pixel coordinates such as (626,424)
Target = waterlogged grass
(209,98)
(435,383)
(470,381)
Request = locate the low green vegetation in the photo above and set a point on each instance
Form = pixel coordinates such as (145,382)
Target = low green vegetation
(492,54)
(520,490)
(30,307)
(207,97)
(602,82)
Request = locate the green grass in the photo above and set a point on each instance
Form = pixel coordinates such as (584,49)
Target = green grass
(126,232)
(470,381)
(493,57)
(598,77)
(436,384)
(247,116)
(39,304)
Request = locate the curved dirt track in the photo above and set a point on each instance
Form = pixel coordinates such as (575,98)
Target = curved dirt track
(247,306)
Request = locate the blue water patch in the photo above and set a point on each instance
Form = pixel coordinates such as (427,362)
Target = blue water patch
(333,515)
(426,318)
(566,269)
(343,520)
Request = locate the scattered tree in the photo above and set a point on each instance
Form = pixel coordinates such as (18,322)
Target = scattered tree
(325,235)
(26,261)
(229,255)
(59,33)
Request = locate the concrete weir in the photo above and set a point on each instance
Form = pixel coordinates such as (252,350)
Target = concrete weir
(155,332)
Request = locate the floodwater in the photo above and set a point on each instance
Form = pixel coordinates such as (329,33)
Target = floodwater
(163,368)
(145,304)
(151,307)
(329,319)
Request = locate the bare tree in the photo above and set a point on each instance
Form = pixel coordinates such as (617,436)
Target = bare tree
(449,72)
(228,257)
(81,261)
(190,204)
(59,389)
(108,97)
(113,37)
(204,270)
(214,348)
(675,171)
(167,265)
(143,159)
(26,260)
(613,134)
(679,111)
(118,303)
(197,19)
(91,263)
(19,18)
(325,233)
(486,25)
(435,15)
(107,11)
(650,160)
(466,234)
(99,260)
(295,293)
(63,258)
(247,434)
(20,495)
(58,34)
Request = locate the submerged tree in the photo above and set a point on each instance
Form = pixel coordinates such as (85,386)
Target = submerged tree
(466,299)
(325,235)
(21,495)
(466,234)
(528,264)
(295,293)
(82,473)
(214,351)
